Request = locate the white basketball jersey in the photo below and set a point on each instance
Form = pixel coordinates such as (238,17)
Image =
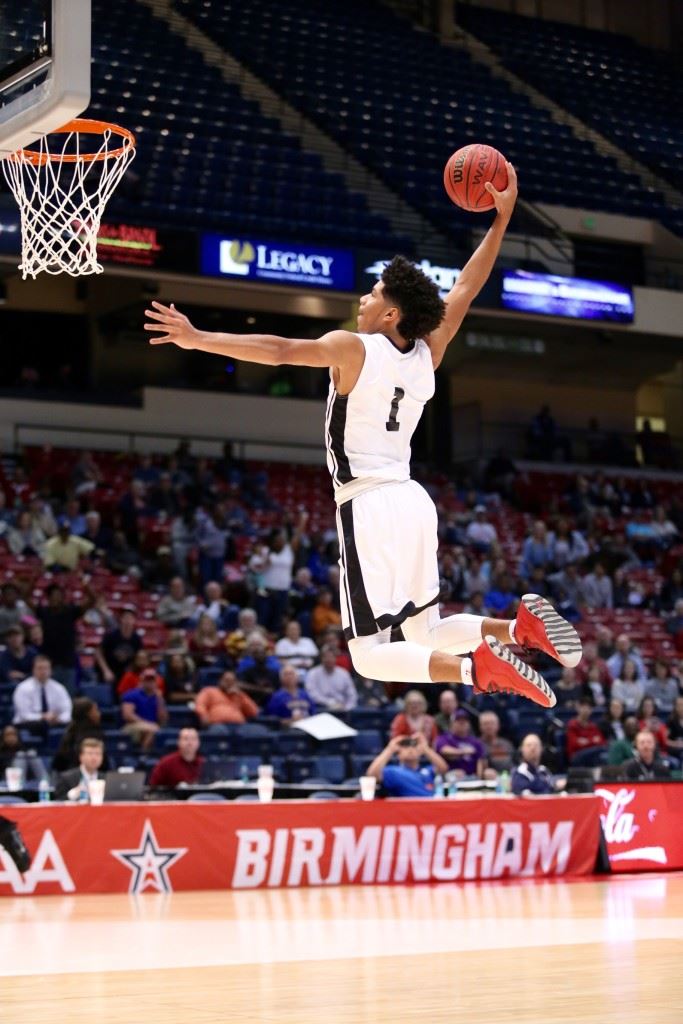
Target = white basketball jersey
(368,432)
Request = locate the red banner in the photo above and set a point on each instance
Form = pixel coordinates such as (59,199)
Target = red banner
(643,825)
(175,846)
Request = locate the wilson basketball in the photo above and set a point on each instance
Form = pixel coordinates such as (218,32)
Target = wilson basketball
(467,172)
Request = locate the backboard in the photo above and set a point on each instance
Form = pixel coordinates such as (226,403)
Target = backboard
(44,67)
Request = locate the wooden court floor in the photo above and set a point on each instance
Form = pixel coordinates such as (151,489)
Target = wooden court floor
(597,951)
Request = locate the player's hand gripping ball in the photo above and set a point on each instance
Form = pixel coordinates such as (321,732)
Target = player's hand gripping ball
(466,173)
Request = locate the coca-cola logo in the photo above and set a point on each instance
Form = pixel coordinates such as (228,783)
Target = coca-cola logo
(619,826)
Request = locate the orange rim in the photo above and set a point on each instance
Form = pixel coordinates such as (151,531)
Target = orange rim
(84,127)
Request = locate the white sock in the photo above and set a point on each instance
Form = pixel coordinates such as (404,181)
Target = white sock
(513,627)
(466,672)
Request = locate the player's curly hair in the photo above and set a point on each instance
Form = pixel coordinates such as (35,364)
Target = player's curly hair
(417,297)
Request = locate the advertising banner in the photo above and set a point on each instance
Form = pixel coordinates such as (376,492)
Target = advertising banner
(251,259)
(179,846)
(643,825)
(574,297)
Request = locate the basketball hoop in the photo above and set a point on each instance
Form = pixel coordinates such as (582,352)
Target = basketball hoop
(62,193)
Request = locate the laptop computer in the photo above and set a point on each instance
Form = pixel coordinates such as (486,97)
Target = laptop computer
(124,786)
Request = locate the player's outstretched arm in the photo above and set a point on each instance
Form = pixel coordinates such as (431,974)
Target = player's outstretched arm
(337,348)
(477,270)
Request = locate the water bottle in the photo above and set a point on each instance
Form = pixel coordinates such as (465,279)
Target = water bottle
(244,774)
(438,787)
(44,791)
(505,781)
(453,787)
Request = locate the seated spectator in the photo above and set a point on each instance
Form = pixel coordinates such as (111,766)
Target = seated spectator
(122,559)
(567,689)
(414,718)
(12,608)
(329,686)
(593,687)
(324,613)
(448,705)
(408,778)
(40,701)
(480,533)
(303,595)
(258,671)
(247,623)
(596,588)
(65,550)
(612,725)
(159,570)
(649,719)
(567,546)
(85,724)
(497,750)
(567,585)
(25,538)
(591,660)
(16,661)
(144,711)
(224,704)
(72,516)
(99,614)
(99,536)
(73,784)
(297,650)
(622,749)
(537,551)
(177,608)
(207,644)
(14,754)
(182,767)
(672,591)
(217,608)
(464,752)
(290,702)
(530,776)
(371,693)
(582,733)
(179,678)
(501,600)
(662,687)
(624,649)
(130,680)
(118,648)
(675,726)
(627,687)
(332,637)
(646,762)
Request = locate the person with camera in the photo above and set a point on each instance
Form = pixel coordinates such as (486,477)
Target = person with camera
(408,777)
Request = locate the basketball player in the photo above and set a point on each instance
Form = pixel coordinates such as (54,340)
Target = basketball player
(380,380)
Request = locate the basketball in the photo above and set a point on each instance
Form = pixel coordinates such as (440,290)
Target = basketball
(466,173)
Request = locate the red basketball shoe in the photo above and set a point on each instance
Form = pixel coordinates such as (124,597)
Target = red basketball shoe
(495,669)
(540,626)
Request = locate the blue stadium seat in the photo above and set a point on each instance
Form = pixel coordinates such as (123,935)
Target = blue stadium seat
(99,692)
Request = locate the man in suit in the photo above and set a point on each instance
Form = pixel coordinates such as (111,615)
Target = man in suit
(73,785)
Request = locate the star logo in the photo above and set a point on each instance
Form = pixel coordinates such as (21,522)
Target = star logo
(149,864)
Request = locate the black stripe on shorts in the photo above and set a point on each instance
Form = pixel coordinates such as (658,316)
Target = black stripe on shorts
(337,427)
(361,612)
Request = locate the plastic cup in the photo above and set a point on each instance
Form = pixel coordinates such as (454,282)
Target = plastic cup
(264,787)
(96,791)
(14,778)
(368,785)
(265,771)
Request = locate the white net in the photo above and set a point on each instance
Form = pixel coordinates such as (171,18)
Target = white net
(62,193)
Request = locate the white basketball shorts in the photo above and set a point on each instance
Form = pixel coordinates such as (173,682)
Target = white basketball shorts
(388,557)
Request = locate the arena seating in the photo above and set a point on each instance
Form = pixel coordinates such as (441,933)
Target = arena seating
(401,103)
(281,492)
(207,157)
(628,93)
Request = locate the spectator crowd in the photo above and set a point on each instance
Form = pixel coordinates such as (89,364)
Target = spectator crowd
(180,598)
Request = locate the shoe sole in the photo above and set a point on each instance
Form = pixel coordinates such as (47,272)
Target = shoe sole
(528,674)
(561,635)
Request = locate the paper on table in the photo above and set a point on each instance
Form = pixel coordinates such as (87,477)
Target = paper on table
(324,727)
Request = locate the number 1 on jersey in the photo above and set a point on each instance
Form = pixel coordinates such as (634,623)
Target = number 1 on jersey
(392,423)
